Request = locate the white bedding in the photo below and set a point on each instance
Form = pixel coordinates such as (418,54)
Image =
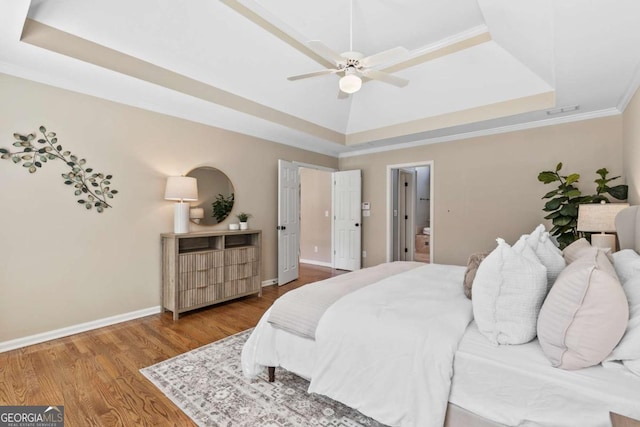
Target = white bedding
(387,349)
(513,385)
(517,386)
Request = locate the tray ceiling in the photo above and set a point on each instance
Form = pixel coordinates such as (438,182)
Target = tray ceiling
(475,64)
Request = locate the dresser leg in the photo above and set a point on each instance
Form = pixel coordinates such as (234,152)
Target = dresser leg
(272,373)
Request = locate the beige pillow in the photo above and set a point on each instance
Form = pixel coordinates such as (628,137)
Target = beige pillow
(472,267)
(572,252)
(582,247)
(585,314)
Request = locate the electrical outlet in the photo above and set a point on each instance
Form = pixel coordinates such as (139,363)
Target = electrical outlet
(315,249)
(366,213)
(326,213)
(364,254)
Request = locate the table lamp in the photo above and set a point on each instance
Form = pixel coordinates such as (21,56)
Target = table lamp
(183,189)
(600,218)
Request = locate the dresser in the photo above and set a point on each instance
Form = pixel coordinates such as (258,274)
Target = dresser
(201,269)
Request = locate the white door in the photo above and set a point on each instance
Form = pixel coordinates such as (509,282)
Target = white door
(406,209)
(288,221)
(347,221)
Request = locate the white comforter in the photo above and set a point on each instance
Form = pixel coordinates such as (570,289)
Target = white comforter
(387,349)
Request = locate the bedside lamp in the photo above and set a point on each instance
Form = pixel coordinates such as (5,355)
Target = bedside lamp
(183,189)
(600,218)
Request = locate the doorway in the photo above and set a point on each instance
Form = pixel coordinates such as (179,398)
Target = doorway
(410,212)
(296,229)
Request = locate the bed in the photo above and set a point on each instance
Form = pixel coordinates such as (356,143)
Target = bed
(485,384)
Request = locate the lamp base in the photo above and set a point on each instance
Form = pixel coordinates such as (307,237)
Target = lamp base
(604,241)
(181,218)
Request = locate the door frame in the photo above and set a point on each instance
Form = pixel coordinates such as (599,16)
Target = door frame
(317,167)
(325,169)
(389,207)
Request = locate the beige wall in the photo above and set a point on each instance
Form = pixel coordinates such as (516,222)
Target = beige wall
(315,227)
(61,265)
(631,150)
(487,187)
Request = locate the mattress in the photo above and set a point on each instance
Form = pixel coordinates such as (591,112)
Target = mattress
(517,386)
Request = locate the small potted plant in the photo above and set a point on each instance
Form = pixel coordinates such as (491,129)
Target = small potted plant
(243,218)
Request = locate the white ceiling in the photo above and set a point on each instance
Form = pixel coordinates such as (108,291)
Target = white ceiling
(583,53)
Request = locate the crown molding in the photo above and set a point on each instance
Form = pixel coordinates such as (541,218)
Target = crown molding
(631,90)
(608,112)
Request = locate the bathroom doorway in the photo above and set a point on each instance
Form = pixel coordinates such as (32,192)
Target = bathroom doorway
(410,212)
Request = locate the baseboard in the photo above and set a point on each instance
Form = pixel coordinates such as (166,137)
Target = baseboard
(269,282)
(313,262)
(76,329)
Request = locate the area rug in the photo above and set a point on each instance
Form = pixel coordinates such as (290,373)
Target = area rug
(208,385)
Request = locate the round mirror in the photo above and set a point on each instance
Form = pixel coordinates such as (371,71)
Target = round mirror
(215,194)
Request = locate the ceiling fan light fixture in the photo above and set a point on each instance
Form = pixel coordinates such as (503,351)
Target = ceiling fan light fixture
(350,83)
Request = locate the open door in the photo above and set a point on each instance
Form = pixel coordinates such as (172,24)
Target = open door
(347,197)
(406,214)
(288,221)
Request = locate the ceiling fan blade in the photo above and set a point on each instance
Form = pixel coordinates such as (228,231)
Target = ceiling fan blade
(385,77)
(314,74)
(384,57)
(260,16)
(326,52)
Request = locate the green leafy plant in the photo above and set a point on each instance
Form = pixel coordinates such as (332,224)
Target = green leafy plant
(222,206)
(92,188)
(620,192)
(564,200)
(243,217)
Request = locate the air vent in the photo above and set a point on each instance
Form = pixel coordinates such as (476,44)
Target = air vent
(566,109)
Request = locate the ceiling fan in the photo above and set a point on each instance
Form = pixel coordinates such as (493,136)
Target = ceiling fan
(351,65)
(354,65)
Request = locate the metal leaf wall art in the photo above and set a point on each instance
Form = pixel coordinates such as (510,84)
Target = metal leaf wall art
(93,189)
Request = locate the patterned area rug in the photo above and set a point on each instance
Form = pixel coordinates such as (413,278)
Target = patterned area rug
(208,385)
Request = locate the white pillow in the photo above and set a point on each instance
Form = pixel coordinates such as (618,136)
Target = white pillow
(550,256)
(628,350)
(627,264)
(508,291)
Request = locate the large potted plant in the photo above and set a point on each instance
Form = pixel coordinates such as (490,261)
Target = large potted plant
(564,200)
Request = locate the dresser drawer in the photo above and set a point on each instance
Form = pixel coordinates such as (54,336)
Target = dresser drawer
(199,261)
(200,279)
(240,255)
(242,286)
(241,271)
(199,296)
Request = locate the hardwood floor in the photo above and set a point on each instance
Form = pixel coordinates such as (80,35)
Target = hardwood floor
(95,374)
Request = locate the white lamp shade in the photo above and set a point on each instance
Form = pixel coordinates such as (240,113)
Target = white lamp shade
(599,217)
(350,83)
(182,188)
